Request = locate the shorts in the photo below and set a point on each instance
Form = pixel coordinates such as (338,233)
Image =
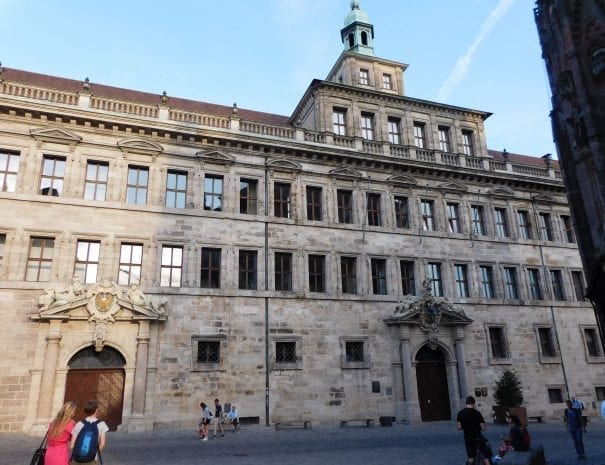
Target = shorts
(472,445)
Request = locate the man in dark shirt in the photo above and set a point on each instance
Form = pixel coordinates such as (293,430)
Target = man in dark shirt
(472,423)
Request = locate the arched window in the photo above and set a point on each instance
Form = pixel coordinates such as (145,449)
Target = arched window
(364,37)
(351,39)
(91,359)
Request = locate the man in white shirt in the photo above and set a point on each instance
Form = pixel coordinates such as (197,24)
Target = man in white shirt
(92,410)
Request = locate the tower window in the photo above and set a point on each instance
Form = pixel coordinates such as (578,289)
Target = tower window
(364,38)
(351,40)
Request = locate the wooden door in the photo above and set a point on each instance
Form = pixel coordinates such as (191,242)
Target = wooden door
(105,385)
(433,391)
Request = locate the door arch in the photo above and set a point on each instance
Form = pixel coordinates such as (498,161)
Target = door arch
(97,375)
(433,390)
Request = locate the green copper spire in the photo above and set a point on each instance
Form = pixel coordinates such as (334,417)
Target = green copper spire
(358,33)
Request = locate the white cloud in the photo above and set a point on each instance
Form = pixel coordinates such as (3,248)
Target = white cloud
(464,62)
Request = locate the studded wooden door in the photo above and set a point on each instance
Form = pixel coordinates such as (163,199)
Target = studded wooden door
(105,385)
(433,392)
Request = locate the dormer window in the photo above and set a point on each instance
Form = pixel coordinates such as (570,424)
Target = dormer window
(386,81)
(364,77)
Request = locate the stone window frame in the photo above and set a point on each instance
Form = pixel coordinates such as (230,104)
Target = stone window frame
(454,222)
(314,202)
(478,225)
(462,284)
(501,228)
(84,266)
(343,193)
(366,125)
(373,210)
(545,229)
(419,135)
(284,272)
(493,360)
(355,275)
(364,77)
(53,188)
(171,266)
(177,192)
(486,281)
(212,192)
(555,387)
(203,366)
(279,366)
(6,171)
(543,359)
(377,264)
(136,187)
(387,81)
(557,284)
(207,269)
(573,274)
(394,130)
(366,363)
(468,143)
(97,181)
(600,358)
(505,283)
(125,268)
(599,392)
(250,199)
(401,208)
(339,121)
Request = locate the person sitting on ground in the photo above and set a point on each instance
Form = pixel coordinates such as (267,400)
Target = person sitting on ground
(518,436)
(233,417)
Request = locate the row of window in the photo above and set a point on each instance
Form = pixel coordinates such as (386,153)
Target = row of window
(365,79)
(286,351)
(488,286)
(528,225)
(368,131)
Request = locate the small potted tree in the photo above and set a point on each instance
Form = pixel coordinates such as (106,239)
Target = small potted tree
(509,397)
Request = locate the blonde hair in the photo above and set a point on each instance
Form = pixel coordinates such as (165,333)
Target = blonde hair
(64,414)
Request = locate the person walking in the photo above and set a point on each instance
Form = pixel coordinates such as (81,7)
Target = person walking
(471,422)
(205,421)
(59,435)
(91,409)
(217,421)
(573,416)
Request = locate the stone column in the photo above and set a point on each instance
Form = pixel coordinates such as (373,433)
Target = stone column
(406,364)
(140,374)
(49,371)
(461,358)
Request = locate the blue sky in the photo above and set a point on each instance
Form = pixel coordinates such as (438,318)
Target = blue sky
(262,54)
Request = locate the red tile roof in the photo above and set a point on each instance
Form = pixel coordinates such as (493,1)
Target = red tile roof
(538,162)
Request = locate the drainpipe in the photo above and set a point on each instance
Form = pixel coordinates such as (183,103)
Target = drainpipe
(267,351)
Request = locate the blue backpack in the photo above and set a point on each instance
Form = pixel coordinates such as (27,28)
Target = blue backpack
(87,443)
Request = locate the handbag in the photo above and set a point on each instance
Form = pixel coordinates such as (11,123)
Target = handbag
(38,458)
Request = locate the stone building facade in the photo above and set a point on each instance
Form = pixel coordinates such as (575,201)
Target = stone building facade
(572,35)
(365,257)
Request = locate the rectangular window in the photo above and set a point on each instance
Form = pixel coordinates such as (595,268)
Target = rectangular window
(578,285)
(210,268)
(247,269)
(467,143)
(213,193)
(501,223)
(461,280)
(402,213)
(285,351)
(568,232)
(444,139)
(387,83)
(510,283)
(283,271)
(345,206)
(348,275)
(95,185)
(592,342)
(281,200)
(317,273)
(364,77)
(2,245)
(486,280)
(40,259)
(374,217)
(339,122)
(419,137)
(393,127)
(208,351)
(497,342)
(248,196)
(87,261)
(533,279)
(176,189)
(556,281)
(453,218)
(314,203)
(53,174)
(131,261)
(544,226)
(477,223)
(9,168)
(524,225)
(600,392)
(367,126)
(433,274)
(428,215)
(171,267)
(408,283)
(354,351)
(379,276)
(137,183)
(547,345)
(555,395)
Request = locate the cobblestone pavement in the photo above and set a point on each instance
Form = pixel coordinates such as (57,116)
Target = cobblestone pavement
(427,443)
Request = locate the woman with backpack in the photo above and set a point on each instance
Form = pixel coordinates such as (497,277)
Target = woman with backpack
(59,435)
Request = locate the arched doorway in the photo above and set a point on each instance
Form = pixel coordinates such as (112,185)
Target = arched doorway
(97,375)
(433,392)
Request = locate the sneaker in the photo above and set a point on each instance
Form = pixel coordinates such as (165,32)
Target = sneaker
(205,439)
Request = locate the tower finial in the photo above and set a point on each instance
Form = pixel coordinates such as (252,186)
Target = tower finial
(354,4)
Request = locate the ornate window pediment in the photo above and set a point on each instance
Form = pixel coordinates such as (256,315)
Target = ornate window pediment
(501,192)
(215,156)
(55,135)
(453,186)
(284,164)
(544,198)
(345,173)
(402,180)
(140,146)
